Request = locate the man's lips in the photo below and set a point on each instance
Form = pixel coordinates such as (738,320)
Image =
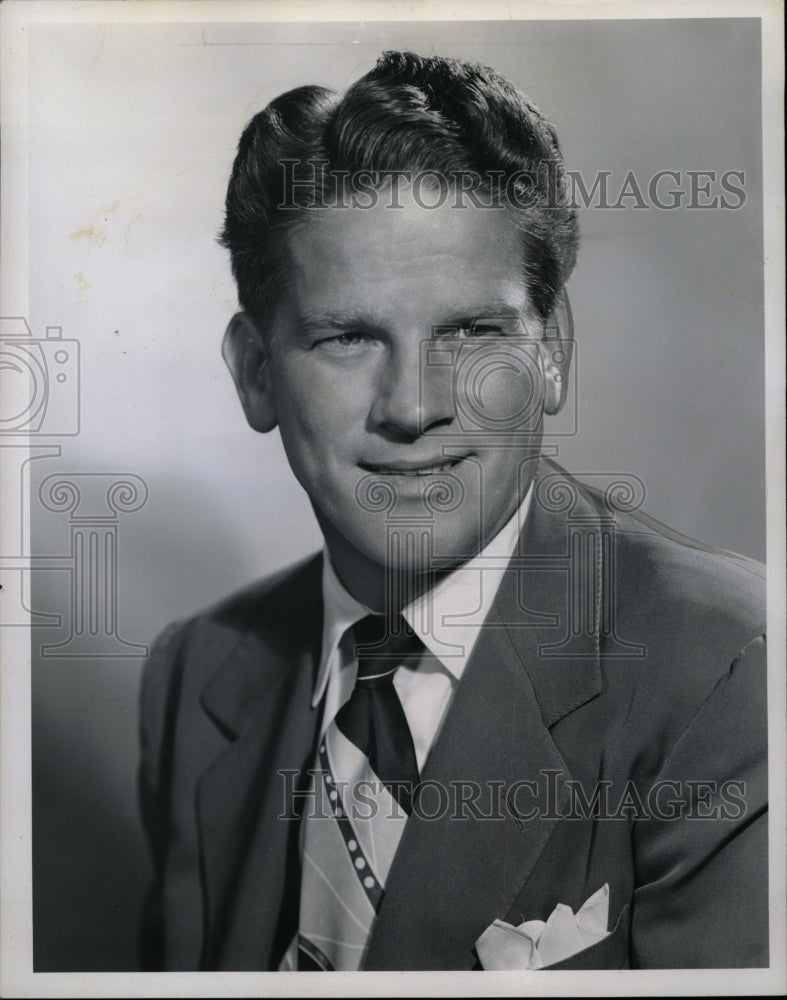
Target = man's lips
(424,467)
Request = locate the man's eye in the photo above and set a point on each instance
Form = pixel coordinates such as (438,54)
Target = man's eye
(484,330)
(343,340)
(475,329)
(348,339)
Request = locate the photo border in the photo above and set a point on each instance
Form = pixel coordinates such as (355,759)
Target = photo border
(17,978)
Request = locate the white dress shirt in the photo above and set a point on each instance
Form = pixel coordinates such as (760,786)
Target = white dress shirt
(448,621)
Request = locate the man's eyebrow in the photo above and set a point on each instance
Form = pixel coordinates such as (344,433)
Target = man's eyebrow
(488,310)
(497,310)
(338,319)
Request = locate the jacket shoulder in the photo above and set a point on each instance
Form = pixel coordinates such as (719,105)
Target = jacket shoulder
(694,586)
(678,619)
(695,619)
(654,563)
(254,606)
(188,651)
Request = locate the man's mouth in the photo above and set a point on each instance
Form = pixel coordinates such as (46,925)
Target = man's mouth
(426,468)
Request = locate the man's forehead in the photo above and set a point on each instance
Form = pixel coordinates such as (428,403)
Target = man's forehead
(405,225)
(473,254)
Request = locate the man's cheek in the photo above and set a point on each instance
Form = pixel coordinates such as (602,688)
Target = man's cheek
(301,445)
(499,388)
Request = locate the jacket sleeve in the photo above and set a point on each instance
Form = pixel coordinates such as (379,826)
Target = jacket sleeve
(160,681)
(702,863)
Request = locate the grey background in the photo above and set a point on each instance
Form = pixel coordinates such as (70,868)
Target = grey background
(132,134)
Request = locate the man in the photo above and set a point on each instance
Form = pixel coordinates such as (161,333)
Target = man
(504,720)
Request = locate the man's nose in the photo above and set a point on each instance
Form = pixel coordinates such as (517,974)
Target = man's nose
(413,396)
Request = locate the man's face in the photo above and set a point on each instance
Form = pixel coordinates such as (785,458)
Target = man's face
(406,371)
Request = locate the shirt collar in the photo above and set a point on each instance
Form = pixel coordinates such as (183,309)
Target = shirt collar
(447,619)
(340,611)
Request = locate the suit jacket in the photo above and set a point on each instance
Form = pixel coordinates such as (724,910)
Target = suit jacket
(615,703)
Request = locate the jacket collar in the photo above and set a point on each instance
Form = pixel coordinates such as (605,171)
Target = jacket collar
(269,629)
(554,611)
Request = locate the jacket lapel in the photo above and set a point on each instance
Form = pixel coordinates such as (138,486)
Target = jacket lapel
(536,660)
(261,699)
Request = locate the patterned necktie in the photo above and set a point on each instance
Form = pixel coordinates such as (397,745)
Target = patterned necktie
(362,797)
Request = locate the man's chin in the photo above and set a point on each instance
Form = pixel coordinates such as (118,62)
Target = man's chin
(405,554)
(420,550)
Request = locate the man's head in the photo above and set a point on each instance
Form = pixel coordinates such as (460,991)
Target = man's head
(410,113)
(397,252)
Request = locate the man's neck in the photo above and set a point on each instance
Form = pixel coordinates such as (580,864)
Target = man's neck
(383,589)
(389,589)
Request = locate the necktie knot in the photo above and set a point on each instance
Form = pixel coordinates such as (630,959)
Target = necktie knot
(381,646)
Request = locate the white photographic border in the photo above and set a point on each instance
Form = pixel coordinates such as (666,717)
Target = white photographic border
(18,979)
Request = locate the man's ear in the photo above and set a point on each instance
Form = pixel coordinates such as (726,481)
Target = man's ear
(557,347)
(246,355)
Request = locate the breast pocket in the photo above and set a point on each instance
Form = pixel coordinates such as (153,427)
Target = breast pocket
(612,952)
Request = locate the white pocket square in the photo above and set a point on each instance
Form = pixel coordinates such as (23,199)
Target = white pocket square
(535,944)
